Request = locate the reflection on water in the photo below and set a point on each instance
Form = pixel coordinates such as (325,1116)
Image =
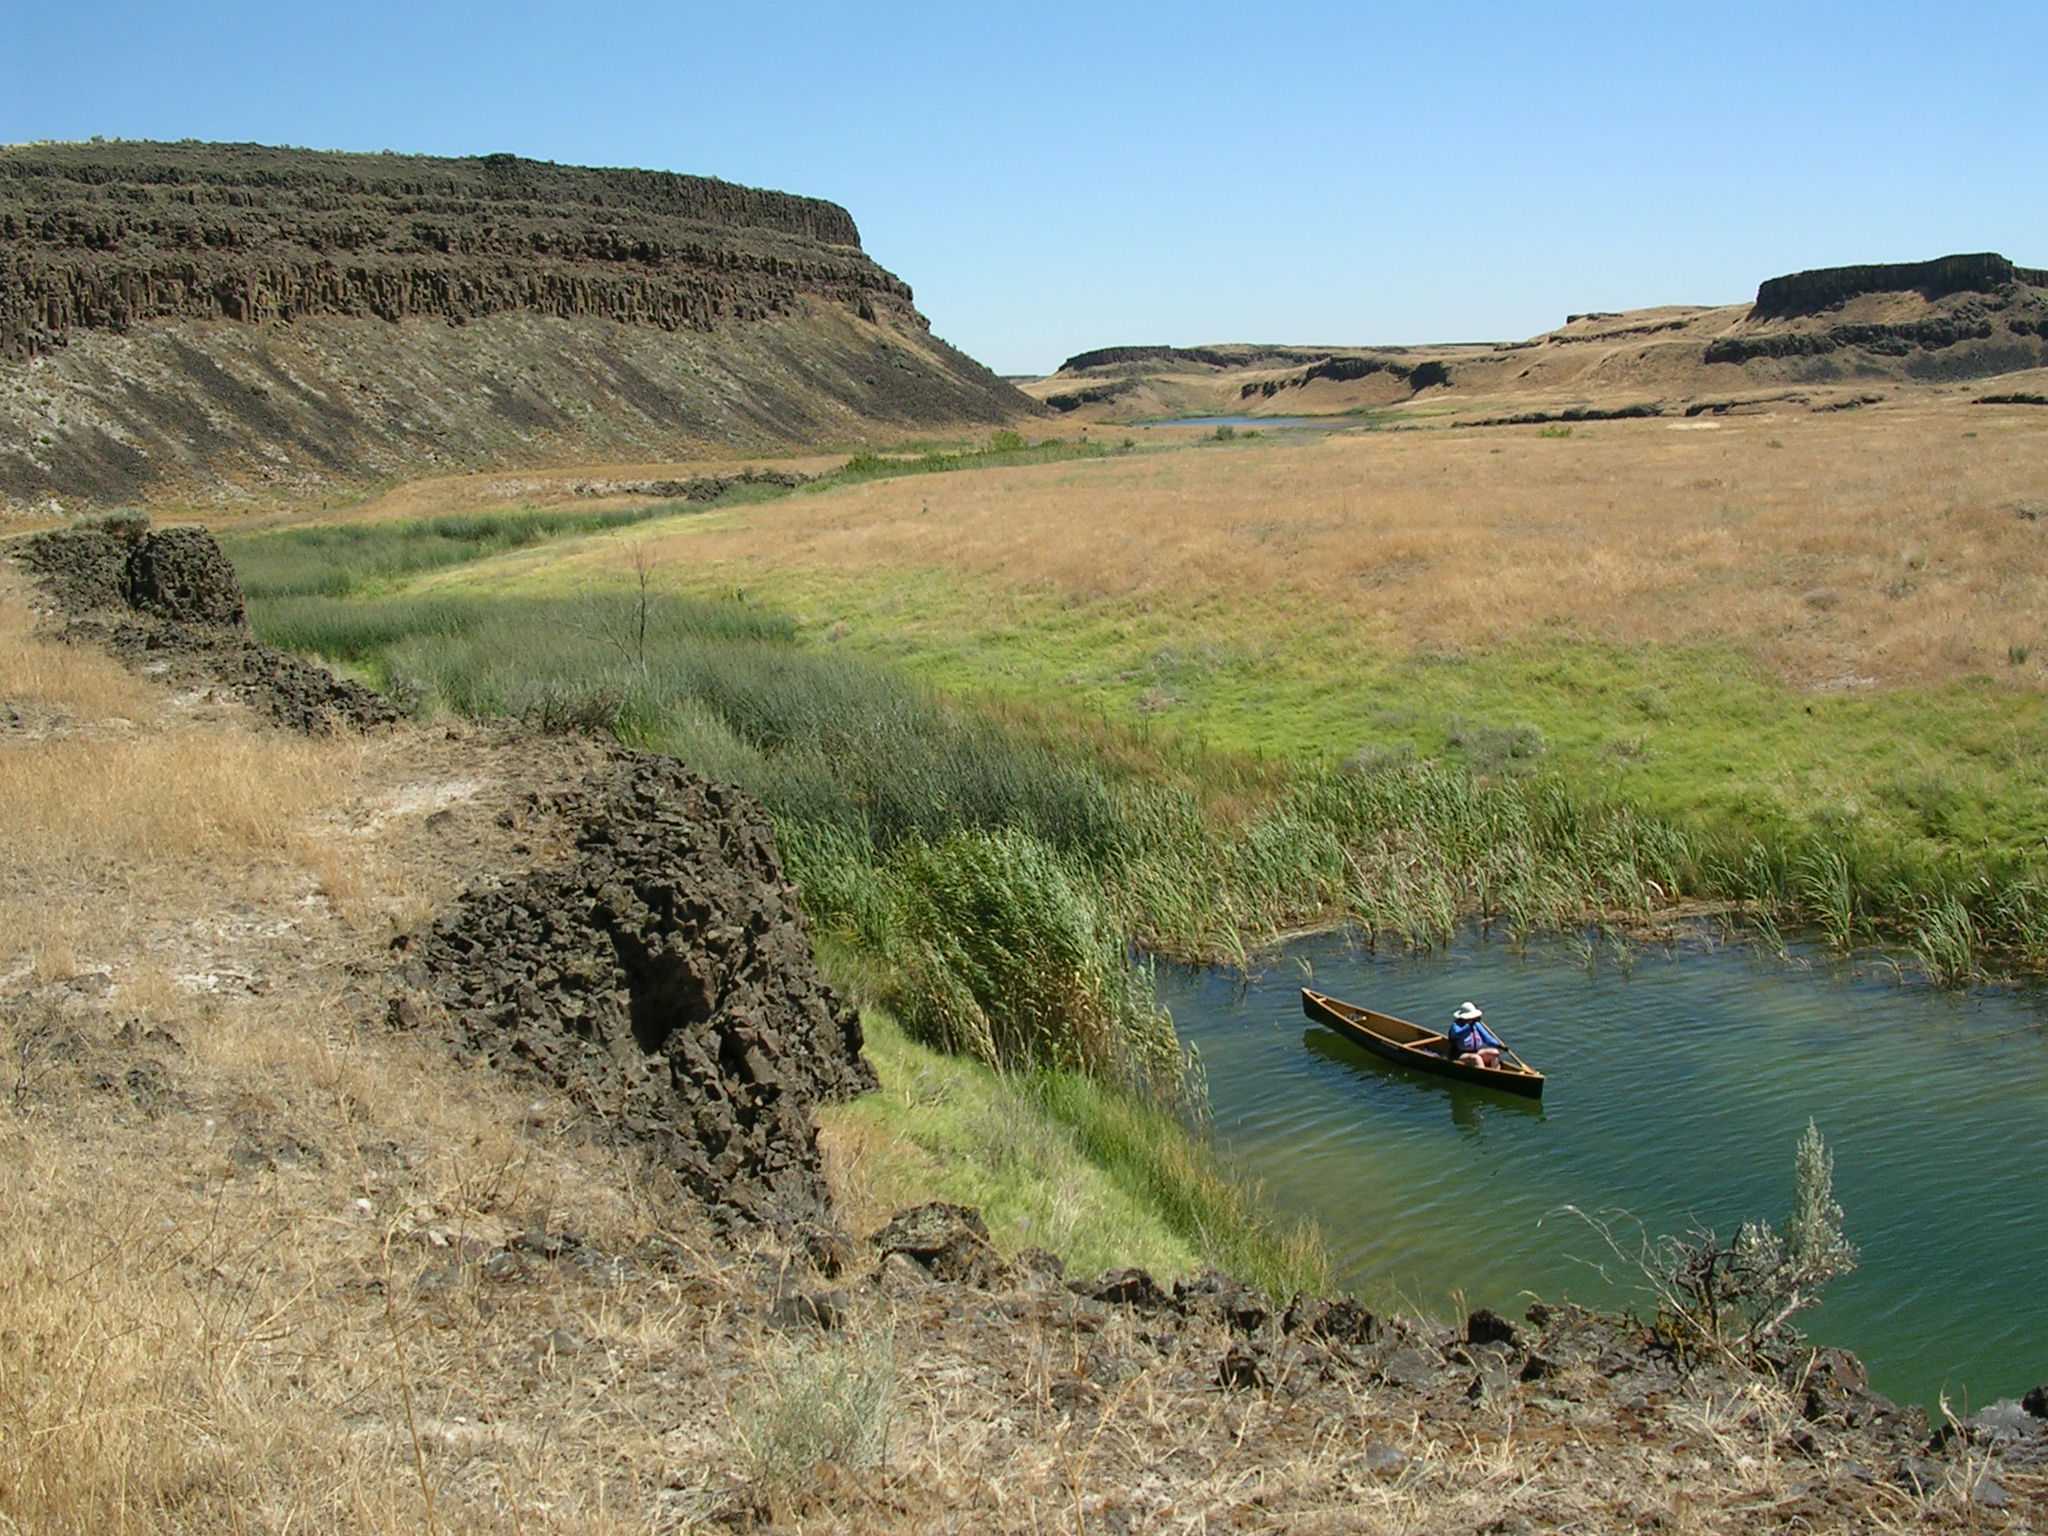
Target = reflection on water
(1464,1105)
(1675,1093)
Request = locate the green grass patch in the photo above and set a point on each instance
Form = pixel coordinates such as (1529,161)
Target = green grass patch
(1697,735)
(1147,1154)
(1175,786)
(340,559)
(946,1127)
(1004,450)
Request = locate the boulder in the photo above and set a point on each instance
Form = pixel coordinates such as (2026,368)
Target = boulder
(1339,1321)
(1488,1327)
(1124,1288)
(948,1242)
(660,973)
(1214,1294)
(180,574)
(1240,1371)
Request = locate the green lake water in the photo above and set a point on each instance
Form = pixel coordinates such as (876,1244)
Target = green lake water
(1677,1091)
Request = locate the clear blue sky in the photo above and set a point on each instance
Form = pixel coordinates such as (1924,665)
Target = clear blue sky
(1056,177)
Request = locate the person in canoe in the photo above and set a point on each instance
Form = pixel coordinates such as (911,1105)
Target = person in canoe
(1470,1043)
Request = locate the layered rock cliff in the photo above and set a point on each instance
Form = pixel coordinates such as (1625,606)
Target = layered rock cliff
(111,237)
(1809,293)
(207,315)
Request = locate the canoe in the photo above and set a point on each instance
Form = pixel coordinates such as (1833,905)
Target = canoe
(1410,1045)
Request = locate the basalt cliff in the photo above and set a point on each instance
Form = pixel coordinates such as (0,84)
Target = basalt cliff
(200,320)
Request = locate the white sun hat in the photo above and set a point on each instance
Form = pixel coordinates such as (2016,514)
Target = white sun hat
(1468,1013)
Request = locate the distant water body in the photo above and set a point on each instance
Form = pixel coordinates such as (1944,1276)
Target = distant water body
(1677,1091)
(1325,423)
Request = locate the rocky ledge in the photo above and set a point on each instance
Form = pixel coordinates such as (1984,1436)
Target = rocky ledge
(1824,288)
(109,236)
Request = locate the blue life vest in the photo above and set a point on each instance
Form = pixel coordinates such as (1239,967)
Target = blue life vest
(1474,1037)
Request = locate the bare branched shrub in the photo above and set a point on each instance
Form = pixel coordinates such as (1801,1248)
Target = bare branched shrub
(622,624)
(1740,1294)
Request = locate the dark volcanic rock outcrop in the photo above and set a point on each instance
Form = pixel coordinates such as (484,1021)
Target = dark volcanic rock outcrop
(1344,370)
(1235,356)
(1977,315)
(169,597)
(1093,394)
(661,980)
(230,315)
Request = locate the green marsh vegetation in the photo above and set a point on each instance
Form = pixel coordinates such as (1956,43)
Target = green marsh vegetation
(1051,1159)
(1526,795)
(336,560)
(1193,849)
(994,858)
(1004,450)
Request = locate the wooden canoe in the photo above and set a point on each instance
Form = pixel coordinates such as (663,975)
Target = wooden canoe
(1410,1045)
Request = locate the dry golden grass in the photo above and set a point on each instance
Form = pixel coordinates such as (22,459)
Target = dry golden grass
(112,794)
(243,1300)
(551,488)
(40,672)
(170,813)
(212,795)
(241,1285)
(1898,544)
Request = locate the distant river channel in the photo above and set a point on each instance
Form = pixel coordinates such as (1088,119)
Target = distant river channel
(1259,423)
(1677,1090)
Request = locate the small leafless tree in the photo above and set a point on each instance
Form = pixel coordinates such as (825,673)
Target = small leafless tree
(625,630)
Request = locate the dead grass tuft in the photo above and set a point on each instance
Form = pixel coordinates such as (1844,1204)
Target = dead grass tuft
(222,796)
(35,670)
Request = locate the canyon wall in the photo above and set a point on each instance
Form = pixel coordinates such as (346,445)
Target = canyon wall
(205,321)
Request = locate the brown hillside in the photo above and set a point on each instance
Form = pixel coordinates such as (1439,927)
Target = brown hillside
(1831,334)
(193,318)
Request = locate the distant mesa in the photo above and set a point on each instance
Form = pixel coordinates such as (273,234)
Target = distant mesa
(1950,319)
(1810,293)
(1836,330)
